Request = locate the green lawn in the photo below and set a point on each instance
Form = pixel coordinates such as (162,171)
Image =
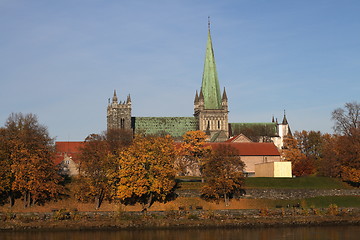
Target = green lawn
(296,183)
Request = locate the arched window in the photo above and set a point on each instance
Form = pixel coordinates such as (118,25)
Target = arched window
(122,123)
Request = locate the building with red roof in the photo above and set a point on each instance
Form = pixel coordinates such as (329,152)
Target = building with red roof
(67,157)
(252,153)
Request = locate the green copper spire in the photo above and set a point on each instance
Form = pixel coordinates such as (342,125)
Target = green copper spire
(210,84)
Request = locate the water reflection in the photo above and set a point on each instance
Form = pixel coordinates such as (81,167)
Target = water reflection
(311,233)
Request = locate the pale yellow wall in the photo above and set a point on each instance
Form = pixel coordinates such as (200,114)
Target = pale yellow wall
(250,161)
(273,169)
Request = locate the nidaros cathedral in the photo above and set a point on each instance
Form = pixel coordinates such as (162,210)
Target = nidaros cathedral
(210,115)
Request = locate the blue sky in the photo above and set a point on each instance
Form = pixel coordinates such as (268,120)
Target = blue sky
(61,60)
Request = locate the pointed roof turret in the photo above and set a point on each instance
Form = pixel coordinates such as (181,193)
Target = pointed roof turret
(128,100)
(224,96)
(115,99)
(196,100)
(210,87)
(285,122)
(273,120)
(201,96)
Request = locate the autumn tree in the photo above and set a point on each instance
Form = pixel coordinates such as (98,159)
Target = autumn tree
(343,149)
(301,165)
(147,171)
(223,172)
(329,165)
(310,143)
(347,119)
(6,176)
(118,139)
(98,171)
(192,151)
(33,173)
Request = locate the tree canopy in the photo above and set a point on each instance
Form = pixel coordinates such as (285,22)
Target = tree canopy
(223,172)
(147,171)
(29,151)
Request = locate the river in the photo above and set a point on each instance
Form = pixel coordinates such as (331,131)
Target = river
(311,233)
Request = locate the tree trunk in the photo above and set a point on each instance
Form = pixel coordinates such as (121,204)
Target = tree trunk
(99,199)
(25,201)
(148,203)
(226,199)
(11,199)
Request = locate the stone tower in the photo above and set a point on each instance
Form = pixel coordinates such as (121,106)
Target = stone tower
(210,108)
(119,113)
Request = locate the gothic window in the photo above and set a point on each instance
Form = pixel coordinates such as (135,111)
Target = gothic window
(218,124)
(122,123)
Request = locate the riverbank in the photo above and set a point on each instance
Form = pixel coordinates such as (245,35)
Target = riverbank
(72,220)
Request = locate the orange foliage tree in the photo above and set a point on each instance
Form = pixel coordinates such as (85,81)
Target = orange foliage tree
(191,153)
(223,172)
(98,171)
(147,171)
(33,173)
(6,176)
(301,165)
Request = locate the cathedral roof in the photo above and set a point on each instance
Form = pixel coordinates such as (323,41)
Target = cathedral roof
(261,129)
(174,126)
(210,84)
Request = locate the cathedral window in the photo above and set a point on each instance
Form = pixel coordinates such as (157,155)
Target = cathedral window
(122,123)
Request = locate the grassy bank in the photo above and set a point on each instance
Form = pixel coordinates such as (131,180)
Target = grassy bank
(311,182)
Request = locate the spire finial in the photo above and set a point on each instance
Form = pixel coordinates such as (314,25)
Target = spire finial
(115,99)
(284,122)
(209,23)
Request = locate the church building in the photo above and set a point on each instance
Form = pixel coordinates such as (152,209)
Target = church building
(210,115)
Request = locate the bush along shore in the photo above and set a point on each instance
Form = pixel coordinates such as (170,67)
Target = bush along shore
(66,219)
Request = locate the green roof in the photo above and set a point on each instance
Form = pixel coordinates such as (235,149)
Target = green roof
(174,126)
(260,129)
(210,84)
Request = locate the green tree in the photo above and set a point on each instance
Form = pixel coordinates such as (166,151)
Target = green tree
(147,171)
(223,172)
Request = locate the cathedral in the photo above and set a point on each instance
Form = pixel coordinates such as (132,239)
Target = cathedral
(210,115)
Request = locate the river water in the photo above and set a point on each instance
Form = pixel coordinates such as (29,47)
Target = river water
(311,233)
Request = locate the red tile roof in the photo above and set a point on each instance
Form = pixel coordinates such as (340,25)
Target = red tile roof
(71,149)
(68,147)
(252,149)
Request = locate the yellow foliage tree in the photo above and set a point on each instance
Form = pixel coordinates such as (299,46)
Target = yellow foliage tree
(147,171)
(192,151)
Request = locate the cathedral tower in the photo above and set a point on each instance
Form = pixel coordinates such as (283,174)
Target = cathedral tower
(210,107)
(119,113)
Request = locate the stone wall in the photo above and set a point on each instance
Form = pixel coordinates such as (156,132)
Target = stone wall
(282,193)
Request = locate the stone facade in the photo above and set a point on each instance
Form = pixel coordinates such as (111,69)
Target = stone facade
(119,114)
(211,110)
